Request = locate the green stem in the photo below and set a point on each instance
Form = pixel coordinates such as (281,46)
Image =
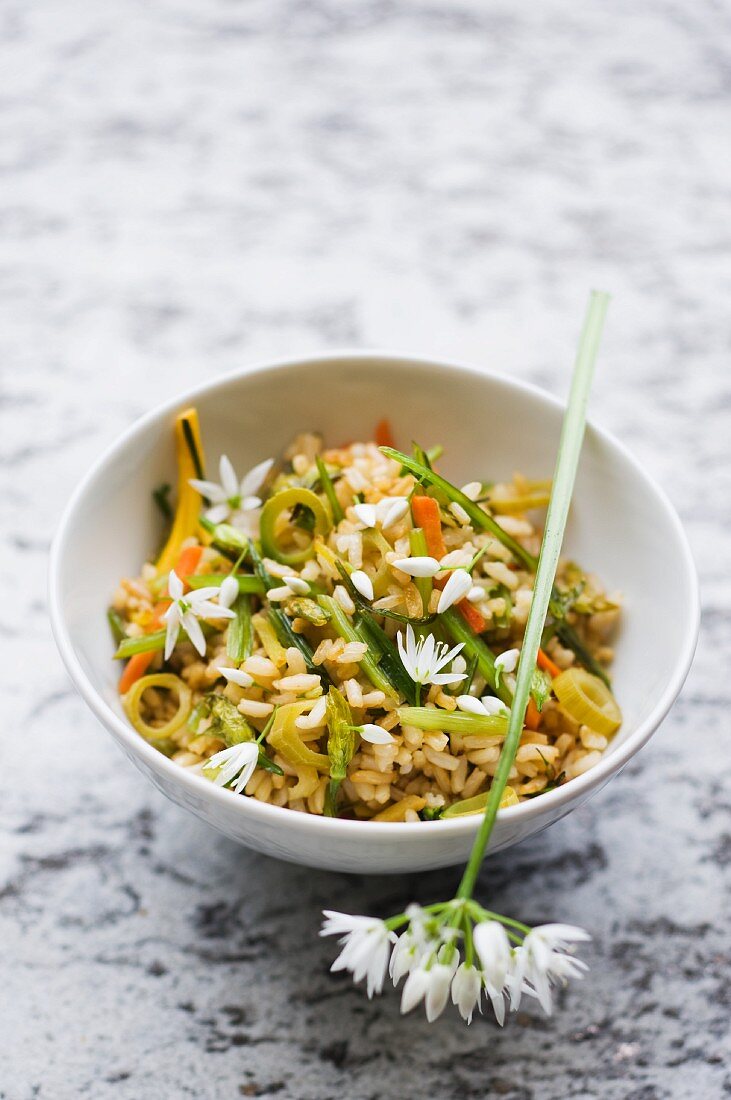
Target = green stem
(572,435)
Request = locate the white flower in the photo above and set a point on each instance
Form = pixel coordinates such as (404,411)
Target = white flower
(297,585)
(459,664)
(366,513)
(375,735)
(543,960)
(366,943)
(186,610)
(455,589)
(237,761)
(362,583)
(492,705)
(470,705)
(431,986)
(391,509)
(232,497)
(237,676)
(417,567)
(467,991)
(472,490)
(423,659)
(274,595)
(228,591)
(493,947)
(508,660)
(476,593)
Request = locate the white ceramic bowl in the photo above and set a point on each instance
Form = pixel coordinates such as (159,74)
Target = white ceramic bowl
(622,527)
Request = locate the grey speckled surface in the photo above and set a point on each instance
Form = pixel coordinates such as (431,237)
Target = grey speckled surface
(186,186)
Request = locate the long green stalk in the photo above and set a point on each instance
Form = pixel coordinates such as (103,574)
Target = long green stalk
(572,435)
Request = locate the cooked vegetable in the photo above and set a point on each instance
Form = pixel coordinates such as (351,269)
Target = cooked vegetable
(231,726)
(309,610)
(420,549)
(132,703)
(285,738)
(430,718)
(370,663)
(264,627)
(426,515)
(228,540)
(460,631)
(246,581)
(588,700)
(544,662)
(189,454)
(383,435)
(397,812)
(340,744)
(187,562)
(285,501)
(136,667)
(240,639)
(385,655)
(477,804)
(116,625)
(329,490)
(480,519)
(569,638)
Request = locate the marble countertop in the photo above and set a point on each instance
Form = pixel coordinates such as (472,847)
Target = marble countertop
(188,186)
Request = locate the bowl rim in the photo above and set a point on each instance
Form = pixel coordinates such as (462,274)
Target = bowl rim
(552,803)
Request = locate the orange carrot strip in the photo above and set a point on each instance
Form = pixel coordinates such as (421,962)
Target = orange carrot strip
(472,616)
(533,717)
(425,511)
(135,668)
(188,561)
(544,661)
(383,434)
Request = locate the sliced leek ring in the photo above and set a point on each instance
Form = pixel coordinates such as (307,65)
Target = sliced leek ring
(477,804)
(132,703)
(587,700)
(273,509)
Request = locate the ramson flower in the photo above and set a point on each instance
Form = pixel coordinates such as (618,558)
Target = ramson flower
(366,947)
(543,960)
(362,583)
(232,498)
(493,947)
(430,984)
(187,609)
(373,734)
(467,990)
(424,659)
(237,762)
(456,588)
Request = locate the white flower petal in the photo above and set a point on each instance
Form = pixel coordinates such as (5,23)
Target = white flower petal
(172,615)
(229,480)
(446,678)
(175,585)
(275,595)
(437,995)
(362,582)
(414,989)
(252,482)
(467,991)
(396,510)
(194,632)
(492,705)
(375,735)
(476,593)
(366,514)
(470,705)
(455,589)
(472,490)
(207,610)
(250,504)
(208,489)
(237,676)
(218,513)
(297,585)
(228,591)
(417,567)
(493,947)
(508,660)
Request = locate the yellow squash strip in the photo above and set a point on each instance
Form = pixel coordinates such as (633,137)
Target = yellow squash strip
(397,812)
(267,636)
(132,703)
(187,509)
(587,700)
(285,738)
(477,804)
